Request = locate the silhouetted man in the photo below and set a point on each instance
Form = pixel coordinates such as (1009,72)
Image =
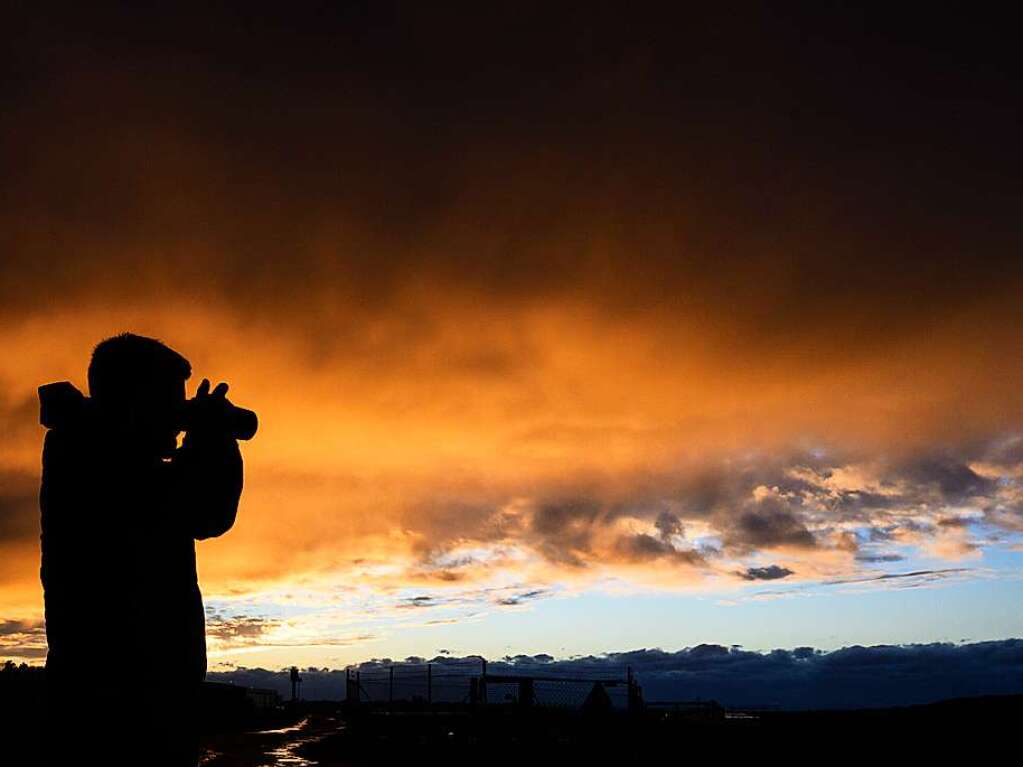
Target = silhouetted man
(121,507)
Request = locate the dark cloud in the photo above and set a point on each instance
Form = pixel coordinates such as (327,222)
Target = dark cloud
(642,547)
(12,628)
(769,573)
(235,630)
(949,475)
(758,503)
(767,527)
(448,576)
(19,420)
(802,678)
(19,507)
(929,574)
(847,678)
(911,579)
(22,639)
(878,558)
(668,525)
(24,651)
(571,518)
(564,529)
(348,186)
(1007,451)
(570,126)
(525,596)
(424,600)
(880,535)
(855,502)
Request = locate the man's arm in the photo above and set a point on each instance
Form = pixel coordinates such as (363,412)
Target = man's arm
(208,470)
(58,523)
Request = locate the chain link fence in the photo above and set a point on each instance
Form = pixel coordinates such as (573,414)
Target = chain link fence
(455,682)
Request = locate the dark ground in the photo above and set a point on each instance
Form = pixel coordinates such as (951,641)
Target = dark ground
(330,735)
(973,728)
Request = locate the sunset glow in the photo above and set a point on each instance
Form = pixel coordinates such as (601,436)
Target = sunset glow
(529,382)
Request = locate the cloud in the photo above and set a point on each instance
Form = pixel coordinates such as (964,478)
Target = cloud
(525,596)
(665,529)
(668,525)
(22,639)
(17,628)
(420,601)
(19,507)
(644,548)
(949,475)
(565,528)
(769,529)
(471,544)
(486,348)
(800,678)
(911,579)
(19,420)
(846,678)
(236,631)
(769,573)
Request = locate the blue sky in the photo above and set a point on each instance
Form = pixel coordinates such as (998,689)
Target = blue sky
(920,601)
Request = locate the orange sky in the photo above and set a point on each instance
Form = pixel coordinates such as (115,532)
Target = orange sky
(511,333)
(375,473)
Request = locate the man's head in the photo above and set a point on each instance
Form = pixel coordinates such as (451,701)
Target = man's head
(138,385)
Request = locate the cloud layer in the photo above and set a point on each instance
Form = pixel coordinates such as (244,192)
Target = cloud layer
(802,678)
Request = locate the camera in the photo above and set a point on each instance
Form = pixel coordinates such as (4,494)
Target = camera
(61,405)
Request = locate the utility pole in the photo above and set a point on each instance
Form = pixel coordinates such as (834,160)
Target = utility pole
(296,682)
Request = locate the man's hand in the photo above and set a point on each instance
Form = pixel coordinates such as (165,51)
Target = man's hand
(209,464)
(208,412)
(203,392)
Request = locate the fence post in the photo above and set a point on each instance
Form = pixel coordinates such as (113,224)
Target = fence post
(351,687)
(526,693)
(483,681)
(429,683)
(390,688)
(628,688)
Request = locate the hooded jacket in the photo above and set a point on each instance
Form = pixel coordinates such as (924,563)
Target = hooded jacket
(118,549)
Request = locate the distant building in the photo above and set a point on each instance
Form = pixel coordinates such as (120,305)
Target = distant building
(263,699)
(226,701)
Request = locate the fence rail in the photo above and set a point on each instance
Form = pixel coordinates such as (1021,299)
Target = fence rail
(471,683)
